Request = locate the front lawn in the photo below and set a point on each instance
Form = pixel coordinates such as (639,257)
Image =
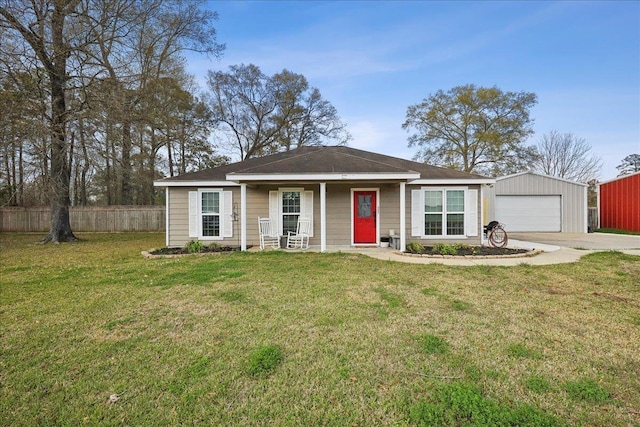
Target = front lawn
(92,333)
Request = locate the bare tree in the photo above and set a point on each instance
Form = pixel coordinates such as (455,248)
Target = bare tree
(42,30)
(304,116)
(566,156)
(95,50)
(260,114)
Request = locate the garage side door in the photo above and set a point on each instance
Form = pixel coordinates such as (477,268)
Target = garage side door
(529,213)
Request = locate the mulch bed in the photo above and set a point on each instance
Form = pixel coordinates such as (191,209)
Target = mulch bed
(204,250)
(479,251)
(476,251)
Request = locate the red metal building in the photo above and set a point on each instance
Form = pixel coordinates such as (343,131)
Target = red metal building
(619,203)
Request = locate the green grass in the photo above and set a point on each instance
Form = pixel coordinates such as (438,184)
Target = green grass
(291,339)
(587,390)
(520,350)
(537,384)
(616,231)
(264,360)
(432,344)
(465,404)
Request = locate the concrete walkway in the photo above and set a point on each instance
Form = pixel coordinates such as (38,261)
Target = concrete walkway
(551,254)
(562,252)
(597,241)
(557,256)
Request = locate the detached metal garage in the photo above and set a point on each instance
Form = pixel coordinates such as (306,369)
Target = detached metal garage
(532,202)
(619,203)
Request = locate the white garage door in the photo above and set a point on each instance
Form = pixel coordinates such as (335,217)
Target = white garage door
(529,213)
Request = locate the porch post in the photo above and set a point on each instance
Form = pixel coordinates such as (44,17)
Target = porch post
(166,216)
(243,217)
(323,217)
(403,216)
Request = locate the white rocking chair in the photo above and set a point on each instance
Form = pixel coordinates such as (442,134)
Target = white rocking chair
(268,234)
(300,239)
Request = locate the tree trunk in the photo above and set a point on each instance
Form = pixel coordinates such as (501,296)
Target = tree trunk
(21,175)
(125,186)
(85,166)
(60,177)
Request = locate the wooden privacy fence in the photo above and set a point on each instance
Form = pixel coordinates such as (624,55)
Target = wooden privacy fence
(85,218)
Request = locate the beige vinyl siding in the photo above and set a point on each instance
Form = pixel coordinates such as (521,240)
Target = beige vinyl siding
(258,206)
(338,209)
(179,216)
(338,215)
(389,209)
(475,240)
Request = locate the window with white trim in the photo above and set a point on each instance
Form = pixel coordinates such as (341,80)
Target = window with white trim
(210,213)
(444,212)
(287,205)
(291,202)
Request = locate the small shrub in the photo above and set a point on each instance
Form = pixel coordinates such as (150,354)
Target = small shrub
(432,344)
(587,389)
(444,249)
(463,247)
(194,246)
(415,248)
(264,360)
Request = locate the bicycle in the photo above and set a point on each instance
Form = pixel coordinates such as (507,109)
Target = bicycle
(496,234)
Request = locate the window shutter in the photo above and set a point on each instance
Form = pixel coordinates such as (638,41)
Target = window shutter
(472,213)
(274,210)
(307,207)
(417,213)
(193,214)
(227,214)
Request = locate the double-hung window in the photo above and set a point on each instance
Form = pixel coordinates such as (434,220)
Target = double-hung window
(291,208)
(442,212)
(287,205)
(210,213)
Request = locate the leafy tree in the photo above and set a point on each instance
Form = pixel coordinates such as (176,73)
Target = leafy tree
(566,156)
(629,165)
(473,129)
(260,114)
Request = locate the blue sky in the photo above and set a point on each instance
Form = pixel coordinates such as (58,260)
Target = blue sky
(372,60)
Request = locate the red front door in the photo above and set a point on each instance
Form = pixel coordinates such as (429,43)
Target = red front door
(364,217)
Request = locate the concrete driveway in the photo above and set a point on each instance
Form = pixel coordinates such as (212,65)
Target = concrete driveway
(592,241)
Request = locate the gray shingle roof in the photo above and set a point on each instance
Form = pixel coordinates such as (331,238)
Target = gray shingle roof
(324,160)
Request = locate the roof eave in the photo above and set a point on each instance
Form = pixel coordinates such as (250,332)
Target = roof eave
(453,181)
(280,177)
(198,183)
